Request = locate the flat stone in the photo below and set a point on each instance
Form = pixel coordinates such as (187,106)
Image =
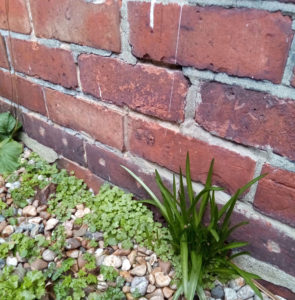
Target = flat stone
(157,298)
(81,231)
(39,264)
(230,294)
(132,256)
(72,243)
(3,225)
(51,223)
(162,280)
(245,292)
(73,253)
(165,266)
(48,255)
(112,261)
(139,270)
(36,220)
(140,285)
(29,211)
(102,286)
(151,288)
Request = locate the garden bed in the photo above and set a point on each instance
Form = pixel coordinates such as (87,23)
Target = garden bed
(60,241)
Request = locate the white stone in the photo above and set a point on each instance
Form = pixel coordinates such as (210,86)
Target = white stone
(51,223)
(112,261)
(126,266)
(11,261)
(230,294)
(48,255)
(245,292)
(162,280)
(36,220)
(98,252)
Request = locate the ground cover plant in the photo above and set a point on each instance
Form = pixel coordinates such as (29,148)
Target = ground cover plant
(203,248)
(60,241)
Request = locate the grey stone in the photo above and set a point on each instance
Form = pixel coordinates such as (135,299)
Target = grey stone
(20,271)
(2,263)
(72,243)
(230,294)
(245,292)
(140,285)
(97,236)
(48,255)
(2,218)
(217,292)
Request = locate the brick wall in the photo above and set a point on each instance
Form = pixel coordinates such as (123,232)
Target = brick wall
(140,83)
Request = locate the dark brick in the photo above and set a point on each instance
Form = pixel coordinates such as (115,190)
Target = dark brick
(63,143)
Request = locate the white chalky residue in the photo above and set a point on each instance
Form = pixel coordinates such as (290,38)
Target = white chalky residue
(152,13)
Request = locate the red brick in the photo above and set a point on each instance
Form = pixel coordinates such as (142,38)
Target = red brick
(5,85)
(92,181)
(103,124)
(23,92)
(168,148)
(248,117)
(3,54)
(76,21)
(18,16)
(51,64)
(266,243)
(148,89)
(275,195)
(63,143)
(241,42)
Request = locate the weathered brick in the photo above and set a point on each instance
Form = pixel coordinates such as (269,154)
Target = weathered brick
(103,124)
(275,195)
(17,15)
(52,64)
(5,85)
(92,181)
(266,243)
(22,91)
(107,165)
(248,117)
(148,89)
(79,21)
(241,42)
(168,148)
(63,143)
(3,54)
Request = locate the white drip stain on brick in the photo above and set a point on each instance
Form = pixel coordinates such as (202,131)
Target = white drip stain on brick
(152,13)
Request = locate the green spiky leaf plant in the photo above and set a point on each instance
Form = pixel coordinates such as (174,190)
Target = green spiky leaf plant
(203,247)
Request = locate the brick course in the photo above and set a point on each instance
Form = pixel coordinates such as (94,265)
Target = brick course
(78,21)
(148,89)
(241,42)
(51,64)
(248,117)
(168,149)
(103,124)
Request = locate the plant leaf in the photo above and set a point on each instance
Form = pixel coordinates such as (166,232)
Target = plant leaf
(9,154)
